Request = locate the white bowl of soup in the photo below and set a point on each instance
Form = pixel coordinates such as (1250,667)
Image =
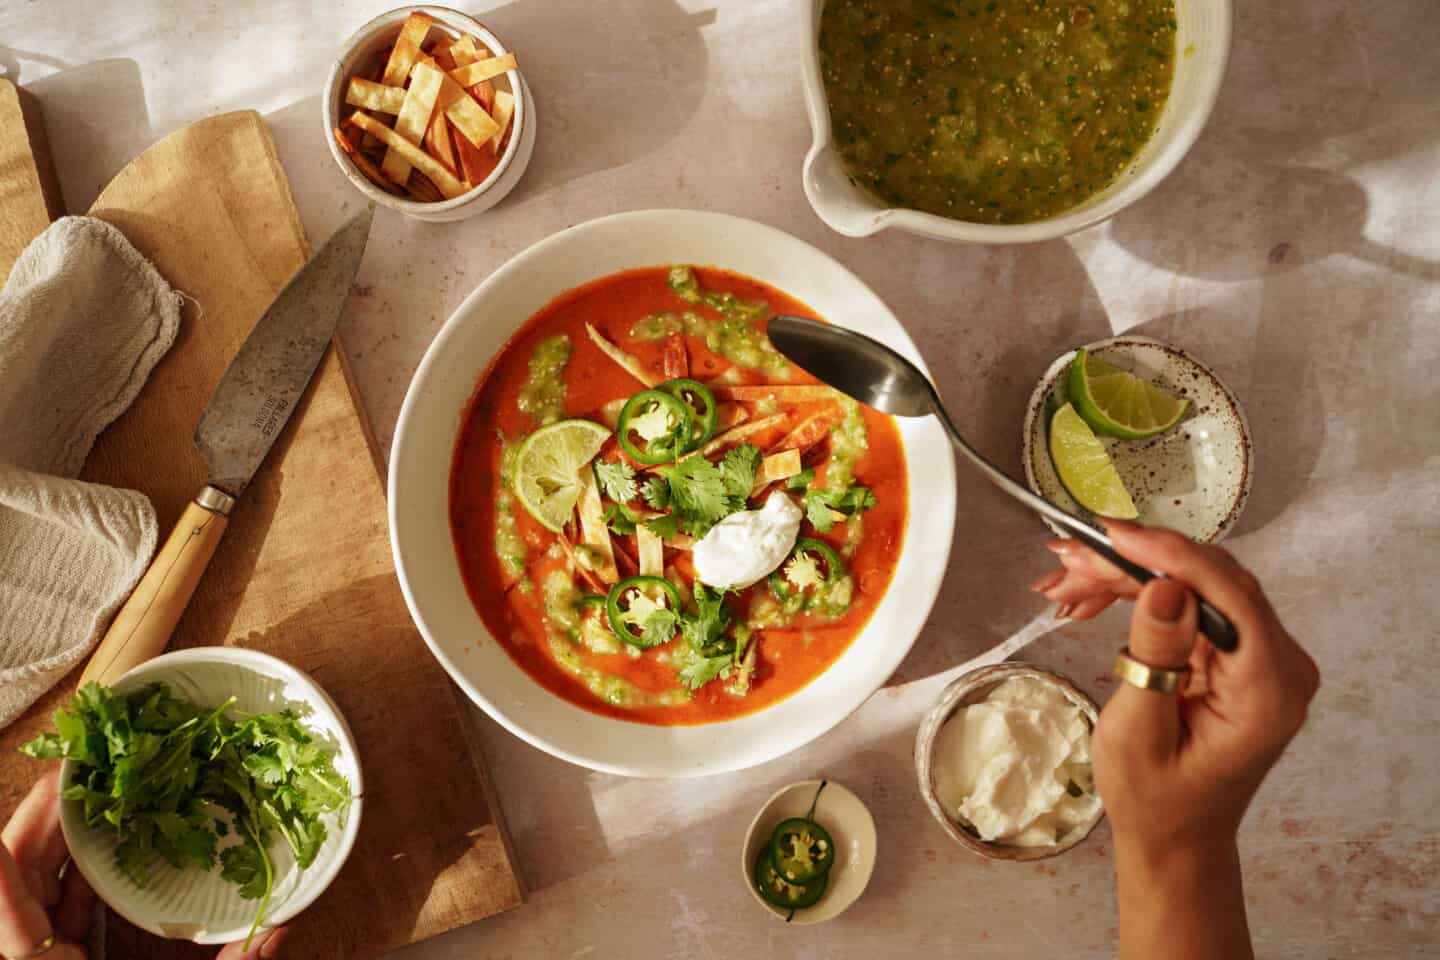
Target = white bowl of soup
(1002,121)
(519,612)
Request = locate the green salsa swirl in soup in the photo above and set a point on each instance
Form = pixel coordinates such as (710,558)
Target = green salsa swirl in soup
(994,111)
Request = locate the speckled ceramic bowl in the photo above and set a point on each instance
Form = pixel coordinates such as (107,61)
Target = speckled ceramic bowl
(970,688)
(1195,478)
(849,823)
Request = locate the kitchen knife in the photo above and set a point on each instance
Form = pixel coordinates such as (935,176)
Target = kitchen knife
(246,413)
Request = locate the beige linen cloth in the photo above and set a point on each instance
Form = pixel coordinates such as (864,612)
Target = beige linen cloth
(83,320)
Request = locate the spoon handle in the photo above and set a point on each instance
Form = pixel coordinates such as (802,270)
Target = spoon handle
(1214,624)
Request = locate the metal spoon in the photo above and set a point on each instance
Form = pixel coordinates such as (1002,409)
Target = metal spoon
(879,377)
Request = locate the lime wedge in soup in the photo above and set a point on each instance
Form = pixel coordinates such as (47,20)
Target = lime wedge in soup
(547,468)
(1116,403)
(1085,468)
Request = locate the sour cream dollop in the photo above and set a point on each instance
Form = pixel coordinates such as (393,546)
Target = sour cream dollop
(1016,765)
(747,546)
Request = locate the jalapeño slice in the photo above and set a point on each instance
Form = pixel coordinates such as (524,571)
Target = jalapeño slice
(827,562)
(775,889)
(633,601)
(801,851)
(660,421)
(703,411)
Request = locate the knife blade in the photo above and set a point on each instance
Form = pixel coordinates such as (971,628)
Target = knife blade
(255,398)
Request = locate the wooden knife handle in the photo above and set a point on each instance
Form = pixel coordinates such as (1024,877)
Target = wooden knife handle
(142,628)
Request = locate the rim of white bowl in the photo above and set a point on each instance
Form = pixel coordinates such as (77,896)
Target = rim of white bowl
(943,514)
(330,106)
(1160,165)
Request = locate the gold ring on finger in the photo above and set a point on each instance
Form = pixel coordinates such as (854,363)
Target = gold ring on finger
(1146,677)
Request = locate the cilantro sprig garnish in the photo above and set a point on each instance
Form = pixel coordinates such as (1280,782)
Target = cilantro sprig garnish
(151,764)
(819,501)
(616,479)
(701,493)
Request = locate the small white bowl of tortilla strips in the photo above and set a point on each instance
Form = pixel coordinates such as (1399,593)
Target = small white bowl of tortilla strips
(426,112)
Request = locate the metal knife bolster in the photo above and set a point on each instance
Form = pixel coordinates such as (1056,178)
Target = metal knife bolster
(215,500)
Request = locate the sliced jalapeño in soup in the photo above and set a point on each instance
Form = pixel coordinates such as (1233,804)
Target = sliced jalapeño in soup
(994,111)
(703,412)
(671,417)
(654,427)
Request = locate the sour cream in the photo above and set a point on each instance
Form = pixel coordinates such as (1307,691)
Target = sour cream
(1016,765)
(746,546)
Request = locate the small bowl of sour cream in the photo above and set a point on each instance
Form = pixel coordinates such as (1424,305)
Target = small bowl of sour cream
(1003,760)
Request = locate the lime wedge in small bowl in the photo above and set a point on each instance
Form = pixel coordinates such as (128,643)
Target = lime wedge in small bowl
(1085,468)
(547,468)
(1116,403)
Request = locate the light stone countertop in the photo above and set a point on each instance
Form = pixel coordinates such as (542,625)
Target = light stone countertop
(1297,251)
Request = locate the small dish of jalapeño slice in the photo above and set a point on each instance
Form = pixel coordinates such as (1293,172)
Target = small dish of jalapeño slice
(810,851)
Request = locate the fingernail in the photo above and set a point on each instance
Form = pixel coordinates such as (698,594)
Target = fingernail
(1059,547)
(1165,601)
(1047,581)
(271,947)
(1063,611)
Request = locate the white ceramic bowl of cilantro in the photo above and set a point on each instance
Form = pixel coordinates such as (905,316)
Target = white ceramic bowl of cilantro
(204,907)
(420,476)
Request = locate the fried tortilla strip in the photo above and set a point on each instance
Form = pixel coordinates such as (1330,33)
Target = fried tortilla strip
(811,431)
(736,434)
(730,415)
(627,362)
(414,117)
(504,112)
(677,359)
(438,143)
(783,393)
(484,69)
(422,188)
(585,573)
(777,466)
(375,97)
(363,163)
(594,533)
(428,165)
(476,163)
(465,52)
(652,552)
(407,49)
(469,118)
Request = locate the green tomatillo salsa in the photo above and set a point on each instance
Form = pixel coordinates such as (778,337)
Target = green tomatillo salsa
(994,111)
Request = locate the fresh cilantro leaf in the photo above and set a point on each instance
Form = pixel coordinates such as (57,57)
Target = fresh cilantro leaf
(616,479)
(801,480)
(659,626)
(246,866)
(656,493)
(619,519)
(738,470)
(700,672)
(849,501)
(665,527)
(856,499)
(699,494)
(705,629)
(817,510)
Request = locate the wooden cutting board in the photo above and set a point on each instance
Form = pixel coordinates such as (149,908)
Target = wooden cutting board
(305,570)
